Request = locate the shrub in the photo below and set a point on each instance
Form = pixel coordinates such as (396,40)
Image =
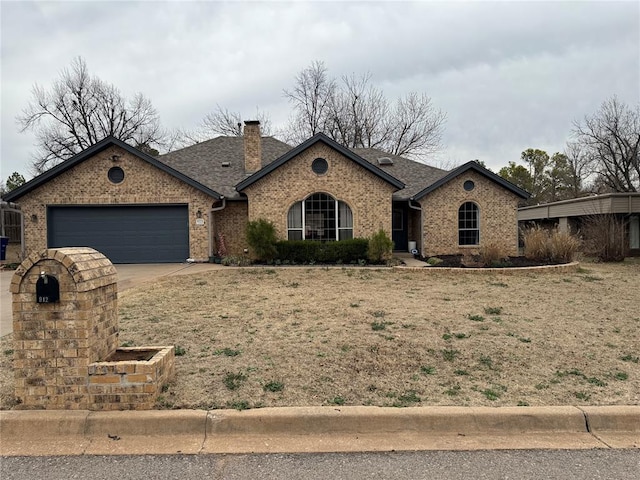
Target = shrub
(493,254)
(380,247)
(564,246)
(604,238)
(261,236)
(550,246)
(434,260)
(536,244)
(301,251)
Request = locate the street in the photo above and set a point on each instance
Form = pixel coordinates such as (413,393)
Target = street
(478,465)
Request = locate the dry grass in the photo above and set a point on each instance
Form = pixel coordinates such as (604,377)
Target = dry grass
(361,336)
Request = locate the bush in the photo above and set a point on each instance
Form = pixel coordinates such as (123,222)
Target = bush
(550,246)
(380,247)
(493,254)
(301,251)
(564,247)
(261,236)
(604,238)
(434,260)
(536,244)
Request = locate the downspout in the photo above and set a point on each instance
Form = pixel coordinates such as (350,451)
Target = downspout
(22,244)
(421,223)
(211,212)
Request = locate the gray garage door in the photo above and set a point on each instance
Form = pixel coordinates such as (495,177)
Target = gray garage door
(125,234)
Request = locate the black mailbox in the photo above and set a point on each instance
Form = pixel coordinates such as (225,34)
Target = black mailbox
(47,289)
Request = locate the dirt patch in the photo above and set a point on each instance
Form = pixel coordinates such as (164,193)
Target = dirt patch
(257,337)
(131,355)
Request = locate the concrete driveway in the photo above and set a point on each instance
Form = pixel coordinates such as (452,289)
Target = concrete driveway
(128,276)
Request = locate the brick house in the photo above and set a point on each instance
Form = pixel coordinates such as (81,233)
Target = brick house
(136,208)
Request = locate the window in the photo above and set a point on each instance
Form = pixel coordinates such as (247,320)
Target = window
(469,185)
(319,166)
(468,224)
(116,175)
(320,217)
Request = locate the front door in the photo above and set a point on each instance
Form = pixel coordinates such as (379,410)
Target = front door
(399,227)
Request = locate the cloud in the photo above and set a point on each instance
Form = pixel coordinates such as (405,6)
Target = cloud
(510,75)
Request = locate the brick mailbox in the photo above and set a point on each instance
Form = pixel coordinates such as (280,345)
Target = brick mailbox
(65,323)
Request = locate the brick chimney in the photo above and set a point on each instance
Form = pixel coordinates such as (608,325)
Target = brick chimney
(252,146)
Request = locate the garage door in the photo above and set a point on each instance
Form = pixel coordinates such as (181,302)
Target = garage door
(125,234)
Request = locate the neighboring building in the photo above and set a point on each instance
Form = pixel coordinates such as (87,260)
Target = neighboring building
(569,215)
(136,208)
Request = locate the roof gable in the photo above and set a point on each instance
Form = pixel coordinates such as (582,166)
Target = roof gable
(90,152)
(319,138)
(476,167)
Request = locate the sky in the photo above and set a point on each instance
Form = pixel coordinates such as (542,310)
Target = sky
(509,75)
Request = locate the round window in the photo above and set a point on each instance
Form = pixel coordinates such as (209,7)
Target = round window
(469,185)
(116,174)
(319,166)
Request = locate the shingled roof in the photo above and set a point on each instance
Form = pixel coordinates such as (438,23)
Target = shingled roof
(415,175)
(204,162)
(219,163)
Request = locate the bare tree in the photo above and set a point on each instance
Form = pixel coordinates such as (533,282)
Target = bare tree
(416,125)
(312,94)
(611,140)
(355,113)
(220,122)
(80,110)
(579,172)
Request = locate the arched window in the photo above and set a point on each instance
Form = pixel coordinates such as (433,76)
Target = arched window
(468,224)
(320,217)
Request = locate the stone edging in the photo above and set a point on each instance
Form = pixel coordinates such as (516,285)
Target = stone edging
(562,268)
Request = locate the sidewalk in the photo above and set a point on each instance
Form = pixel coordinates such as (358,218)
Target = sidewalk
(317,429)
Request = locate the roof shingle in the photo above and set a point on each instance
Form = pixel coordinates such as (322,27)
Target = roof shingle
(204,161)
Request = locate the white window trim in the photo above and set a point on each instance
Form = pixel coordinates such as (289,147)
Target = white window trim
(338,228)
(472,245)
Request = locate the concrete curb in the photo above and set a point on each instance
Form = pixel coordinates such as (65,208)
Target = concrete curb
(316,429)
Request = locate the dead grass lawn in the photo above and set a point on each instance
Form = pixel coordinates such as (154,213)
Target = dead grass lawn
(257,337)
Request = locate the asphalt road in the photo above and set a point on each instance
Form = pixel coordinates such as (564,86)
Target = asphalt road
(477,465)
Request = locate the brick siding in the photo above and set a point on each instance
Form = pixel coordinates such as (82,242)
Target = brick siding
(498,216)
(55,342)
(232,223)
(368,196)
(87,184)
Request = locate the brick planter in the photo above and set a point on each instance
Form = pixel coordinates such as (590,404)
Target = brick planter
(130,384)
(60,343)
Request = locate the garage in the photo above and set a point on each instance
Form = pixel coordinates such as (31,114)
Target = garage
(125,234)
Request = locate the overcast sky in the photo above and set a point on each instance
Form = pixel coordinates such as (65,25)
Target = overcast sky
(509,75)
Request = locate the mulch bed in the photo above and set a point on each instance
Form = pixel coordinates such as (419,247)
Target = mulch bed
(475,261)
